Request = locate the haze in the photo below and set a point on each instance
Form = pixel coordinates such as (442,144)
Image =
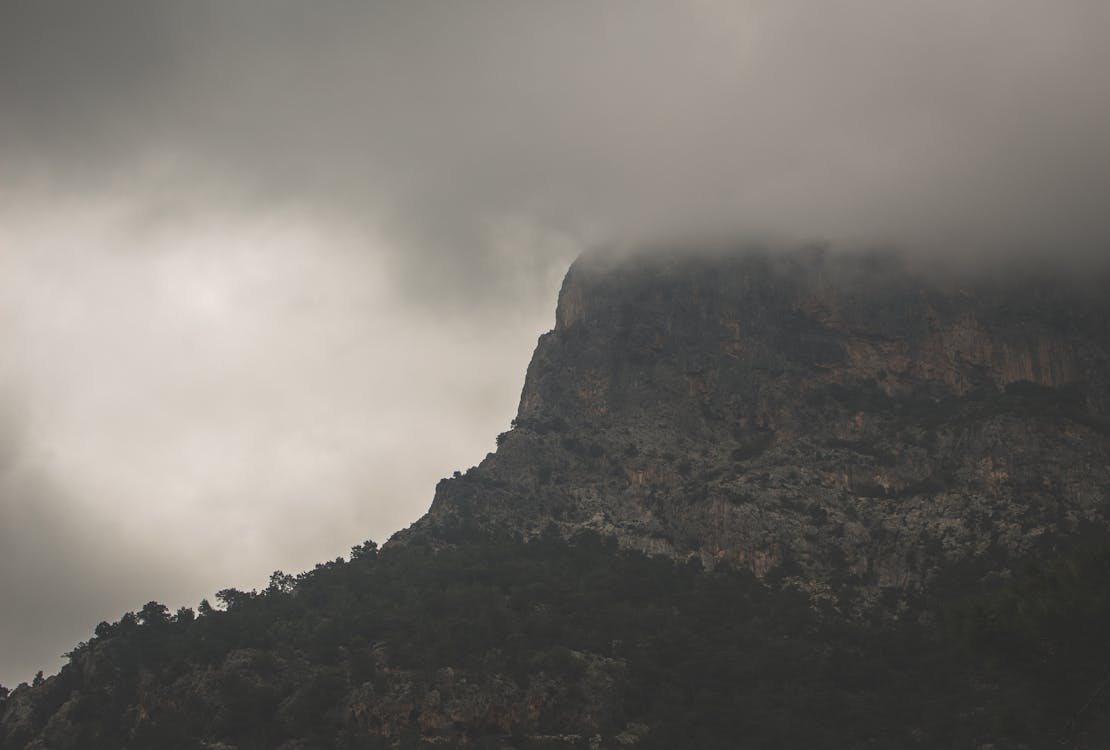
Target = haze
(268,270)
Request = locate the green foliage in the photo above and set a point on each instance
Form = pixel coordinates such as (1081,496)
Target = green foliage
(541,425)
(154,614)
(234,598)
(863,395)
(1046,634)
(751,445)
(368,550)
(707,658)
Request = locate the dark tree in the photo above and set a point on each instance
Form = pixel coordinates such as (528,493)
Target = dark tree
(154,614)
(367,550)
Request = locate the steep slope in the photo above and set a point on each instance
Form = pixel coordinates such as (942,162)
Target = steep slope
(830,417)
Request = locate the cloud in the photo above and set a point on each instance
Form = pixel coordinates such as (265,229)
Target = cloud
(193,401)
(63,569)
(937,124)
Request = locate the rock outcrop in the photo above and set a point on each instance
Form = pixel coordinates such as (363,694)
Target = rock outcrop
(833,418)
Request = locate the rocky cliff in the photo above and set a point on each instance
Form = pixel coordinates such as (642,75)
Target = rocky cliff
(837,419)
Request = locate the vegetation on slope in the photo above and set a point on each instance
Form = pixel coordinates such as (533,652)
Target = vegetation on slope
(697,658)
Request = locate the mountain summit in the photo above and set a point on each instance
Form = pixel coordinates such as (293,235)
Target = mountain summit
(833,418)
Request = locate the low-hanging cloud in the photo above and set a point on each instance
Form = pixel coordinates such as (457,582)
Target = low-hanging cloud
(934,124)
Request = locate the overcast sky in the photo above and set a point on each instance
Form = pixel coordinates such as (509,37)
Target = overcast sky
(270,269)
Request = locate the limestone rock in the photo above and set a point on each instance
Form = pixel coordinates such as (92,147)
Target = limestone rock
(834,418)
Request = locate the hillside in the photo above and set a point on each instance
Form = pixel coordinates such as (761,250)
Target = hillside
(740,489)
(837,419)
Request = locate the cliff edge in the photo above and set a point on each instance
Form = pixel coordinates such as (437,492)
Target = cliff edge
(835,418)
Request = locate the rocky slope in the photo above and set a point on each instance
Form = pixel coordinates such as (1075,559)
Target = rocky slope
(834,418)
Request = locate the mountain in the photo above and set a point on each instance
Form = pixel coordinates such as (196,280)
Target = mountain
(839,420)
(750,499)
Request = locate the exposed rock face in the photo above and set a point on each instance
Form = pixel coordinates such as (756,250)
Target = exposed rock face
(834,418)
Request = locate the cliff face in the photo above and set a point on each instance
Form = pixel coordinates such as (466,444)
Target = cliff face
(836,419)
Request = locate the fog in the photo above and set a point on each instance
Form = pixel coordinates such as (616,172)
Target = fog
(269,269)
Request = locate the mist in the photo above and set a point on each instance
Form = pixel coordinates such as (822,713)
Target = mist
(269,270)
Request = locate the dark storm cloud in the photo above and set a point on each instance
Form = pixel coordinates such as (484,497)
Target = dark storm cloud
(937,124)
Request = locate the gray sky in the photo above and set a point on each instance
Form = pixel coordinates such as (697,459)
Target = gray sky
(270,269)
